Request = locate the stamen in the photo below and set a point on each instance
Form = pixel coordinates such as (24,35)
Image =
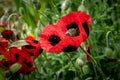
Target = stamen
(72,29)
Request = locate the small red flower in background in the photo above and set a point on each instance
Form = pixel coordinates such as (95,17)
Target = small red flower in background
(5,61)
(7,34)
(4,52)
(67,35)
(3,42)
(21,57)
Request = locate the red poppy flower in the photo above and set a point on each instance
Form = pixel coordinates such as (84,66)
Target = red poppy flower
(15,54)
(67,35)
(75,25)
(3,42)
(4,52)
(31,50)
(27,63)
(7,34)
(22,58)
(32,41)
(5,62)
(34,49)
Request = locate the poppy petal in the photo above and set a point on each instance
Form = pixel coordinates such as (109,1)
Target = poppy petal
(81,19)
(67,35)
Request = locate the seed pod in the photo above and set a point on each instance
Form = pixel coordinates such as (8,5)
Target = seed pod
(83,57)
(65,5)
(37,4)
(79,62)
(82,8)
(108,52)
(15,67)
(35,1)
(85,69)
(21,10)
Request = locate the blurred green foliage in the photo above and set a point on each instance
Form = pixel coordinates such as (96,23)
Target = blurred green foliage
(104,38)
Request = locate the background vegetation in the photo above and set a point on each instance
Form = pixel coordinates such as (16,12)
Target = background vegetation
(29,17)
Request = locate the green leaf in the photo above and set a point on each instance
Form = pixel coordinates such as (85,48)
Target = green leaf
(2,57)
(15,67)
(1,29)
(18,43)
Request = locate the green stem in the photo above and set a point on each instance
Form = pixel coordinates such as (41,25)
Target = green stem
(13,14)
(94,63)
(54,6)
(45,56)
(73,65)
(83,1)
(107,34)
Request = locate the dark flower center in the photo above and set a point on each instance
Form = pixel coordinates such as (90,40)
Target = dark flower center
(69,48)
(54,40)
(72,29)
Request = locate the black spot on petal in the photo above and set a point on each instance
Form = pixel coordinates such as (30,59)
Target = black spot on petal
(69,48)
(29,47)
(85,26)
(54,40)
(25,61)
(16,55)
(29,65)
(5,64)
(40,50)
(31,54)
(35,41)
(72,25)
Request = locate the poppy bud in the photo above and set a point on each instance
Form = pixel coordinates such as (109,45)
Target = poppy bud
(2,57)
(3,42)
(35,1)
(108,52)
(7,34)
(85,69)
(79,62)
(82,8)
(15,67)
(65,5)
(83,57)
(22,11)
(8,74)
(37,4)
